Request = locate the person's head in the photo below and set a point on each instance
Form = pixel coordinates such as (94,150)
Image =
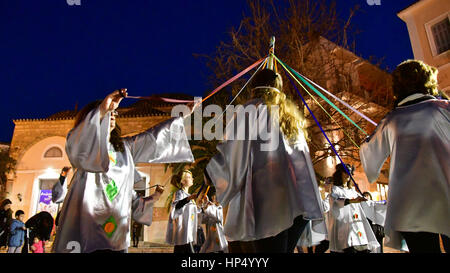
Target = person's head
(328,183)
(6,204)
(367,195)
(268,85)
(212,194)
(20,215)
(186,180)
(414,76)
(115,135)
(36,240)
(340,176)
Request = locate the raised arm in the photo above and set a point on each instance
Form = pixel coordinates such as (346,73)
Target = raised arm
(163,143)
(87,143)
(142,208)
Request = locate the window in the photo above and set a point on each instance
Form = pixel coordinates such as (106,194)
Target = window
(53,152)
(438,33)
(441,35)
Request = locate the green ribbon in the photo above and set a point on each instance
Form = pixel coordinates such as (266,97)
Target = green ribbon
(321,95)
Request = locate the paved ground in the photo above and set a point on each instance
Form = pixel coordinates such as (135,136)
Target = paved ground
(158,248)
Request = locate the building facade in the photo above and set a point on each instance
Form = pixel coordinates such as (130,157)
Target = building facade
(428,23)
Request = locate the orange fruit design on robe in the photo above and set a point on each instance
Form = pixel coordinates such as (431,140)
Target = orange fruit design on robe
(109,227)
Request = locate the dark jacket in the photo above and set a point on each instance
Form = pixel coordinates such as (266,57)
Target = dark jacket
(5,222)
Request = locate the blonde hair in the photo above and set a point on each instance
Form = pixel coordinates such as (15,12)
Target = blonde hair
(176,179)
(268,85)
(183,174)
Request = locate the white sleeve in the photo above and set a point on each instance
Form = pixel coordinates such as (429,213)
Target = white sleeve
(375,152)
(164,143)
(87,144)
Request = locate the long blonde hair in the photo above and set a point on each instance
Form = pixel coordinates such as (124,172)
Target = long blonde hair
(268,85)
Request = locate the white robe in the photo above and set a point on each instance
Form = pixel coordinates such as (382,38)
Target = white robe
(215,237)
(265,190)
(97,209)
(417,138)
(375,211)
(309,236)
(183,223)
(348,223)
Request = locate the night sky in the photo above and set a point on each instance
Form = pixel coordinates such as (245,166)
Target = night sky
(53,56)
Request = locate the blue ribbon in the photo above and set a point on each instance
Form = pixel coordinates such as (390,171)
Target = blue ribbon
(323,132)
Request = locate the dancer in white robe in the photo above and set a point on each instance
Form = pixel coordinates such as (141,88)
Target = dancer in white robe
(97,210)
(212,217)
(350,232)
(416,135)
(183,217)
(309,237)
(269,182)
(376,215)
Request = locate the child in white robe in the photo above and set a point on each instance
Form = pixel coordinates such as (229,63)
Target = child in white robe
(183,217)
(213,219)
(350,232)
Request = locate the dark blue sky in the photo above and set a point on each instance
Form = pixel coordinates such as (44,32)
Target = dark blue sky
(53,55)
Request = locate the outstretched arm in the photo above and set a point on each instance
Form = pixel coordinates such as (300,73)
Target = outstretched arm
(87,143)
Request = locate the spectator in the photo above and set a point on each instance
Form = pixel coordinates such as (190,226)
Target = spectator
(5,221)
(38,245)
(17,233)
(136,233)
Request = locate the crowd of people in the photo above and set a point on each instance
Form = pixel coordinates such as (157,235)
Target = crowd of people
(16,235)
(272,197)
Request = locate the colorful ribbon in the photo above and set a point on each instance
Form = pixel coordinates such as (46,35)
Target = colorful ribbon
(242,89)
(237,76)
(341,101)
(321,129)
(322,96)
(160,99)
(318,103)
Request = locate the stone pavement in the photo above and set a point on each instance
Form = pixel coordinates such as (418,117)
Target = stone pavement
(161,248)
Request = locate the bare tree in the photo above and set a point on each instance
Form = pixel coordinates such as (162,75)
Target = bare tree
(311,39)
